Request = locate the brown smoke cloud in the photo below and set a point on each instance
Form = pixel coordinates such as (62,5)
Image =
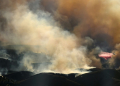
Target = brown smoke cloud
(43,34)
(88,17)
(58,29)
(97,19)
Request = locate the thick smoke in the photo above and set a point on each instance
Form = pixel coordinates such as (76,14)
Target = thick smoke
(87,18)
(37,29)
(70,33)
(98,19)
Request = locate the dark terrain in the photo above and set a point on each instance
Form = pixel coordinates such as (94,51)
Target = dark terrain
(10,77)
(99,77)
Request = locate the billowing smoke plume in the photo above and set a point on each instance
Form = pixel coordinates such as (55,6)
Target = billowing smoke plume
(97,19)
(69,33)
(24,25)
(87,18)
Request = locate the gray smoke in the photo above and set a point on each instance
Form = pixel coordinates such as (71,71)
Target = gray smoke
(59,50)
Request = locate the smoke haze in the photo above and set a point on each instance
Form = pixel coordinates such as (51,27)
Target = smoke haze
(96,19)
(70,33)
(43,35)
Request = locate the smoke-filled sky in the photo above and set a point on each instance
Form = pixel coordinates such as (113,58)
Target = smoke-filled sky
(69,32)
